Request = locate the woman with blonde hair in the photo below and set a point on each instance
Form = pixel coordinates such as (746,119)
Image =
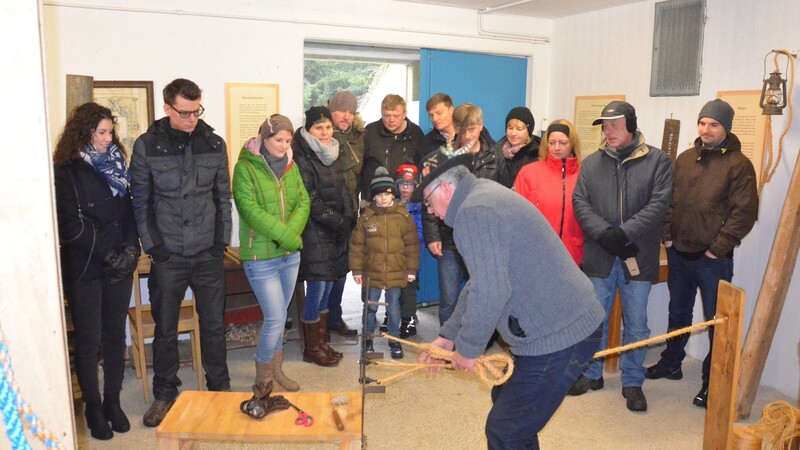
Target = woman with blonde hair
(549,183)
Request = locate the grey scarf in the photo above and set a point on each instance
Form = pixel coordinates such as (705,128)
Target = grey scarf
(326,153)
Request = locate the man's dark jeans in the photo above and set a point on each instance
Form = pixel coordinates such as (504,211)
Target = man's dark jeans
(452,276)
(524,404)
(685,277)
(168,281)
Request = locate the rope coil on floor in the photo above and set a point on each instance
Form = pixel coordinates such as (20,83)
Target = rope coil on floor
(496,368)
(15,408)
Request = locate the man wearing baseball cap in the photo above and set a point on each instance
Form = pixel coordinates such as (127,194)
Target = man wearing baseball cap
(714,205)
(620,201)
(524,284)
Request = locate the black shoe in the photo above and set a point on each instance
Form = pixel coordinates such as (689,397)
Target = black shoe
(635,398)
(96,421)
(408,327)
(396,350)
(369,348)
(115,414)
(583,384)
(342,329)
(657,371)
(701,399)
(385,325)
(158,410)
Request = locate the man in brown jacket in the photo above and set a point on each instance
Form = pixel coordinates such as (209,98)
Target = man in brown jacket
(714,205)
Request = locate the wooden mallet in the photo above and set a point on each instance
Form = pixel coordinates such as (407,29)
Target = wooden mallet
(337,401)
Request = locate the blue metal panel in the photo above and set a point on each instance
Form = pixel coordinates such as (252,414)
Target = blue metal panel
(494,83)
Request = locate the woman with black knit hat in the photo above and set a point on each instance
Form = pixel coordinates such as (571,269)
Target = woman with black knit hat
(518,148)
(324,256)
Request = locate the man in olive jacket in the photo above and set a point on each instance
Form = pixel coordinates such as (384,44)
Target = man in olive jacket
(714,205)
(620,201)
(182,205)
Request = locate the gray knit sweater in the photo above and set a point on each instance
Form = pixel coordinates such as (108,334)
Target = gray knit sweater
(523,281)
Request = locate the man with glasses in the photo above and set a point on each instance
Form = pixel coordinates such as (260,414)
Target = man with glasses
(181,201)
(524,284)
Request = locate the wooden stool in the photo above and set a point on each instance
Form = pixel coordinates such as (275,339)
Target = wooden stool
(203,415)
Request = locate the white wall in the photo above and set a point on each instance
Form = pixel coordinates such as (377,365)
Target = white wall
(609,52)
(31,305)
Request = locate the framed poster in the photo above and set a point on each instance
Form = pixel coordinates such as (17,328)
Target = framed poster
(588,108)
(749,125)
(131,102)
(247,105)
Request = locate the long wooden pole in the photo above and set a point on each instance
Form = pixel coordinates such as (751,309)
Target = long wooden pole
(771,297)
(724,367)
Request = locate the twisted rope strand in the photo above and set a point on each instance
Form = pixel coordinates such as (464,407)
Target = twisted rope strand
(11,399)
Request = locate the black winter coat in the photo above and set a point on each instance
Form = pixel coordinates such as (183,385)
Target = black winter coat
(325,238)
(507,170)
(384,148)
(107,224)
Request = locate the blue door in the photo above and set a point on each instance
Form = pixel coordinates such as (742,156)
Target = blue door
(494,83)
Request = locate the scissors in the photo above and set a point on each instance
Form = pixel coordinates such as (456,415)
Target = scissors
(303,418)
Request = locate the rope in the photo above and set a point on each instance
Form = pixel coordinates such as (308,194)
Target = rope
(659,338)
(496,369)
(769,169)
(11,399)
(779,424)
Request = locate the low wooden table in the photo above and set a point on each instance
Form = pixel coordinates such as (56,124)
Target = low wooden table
(202,415)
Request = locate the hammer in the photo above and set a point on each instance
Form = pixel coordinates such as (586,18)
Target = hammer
(339,400)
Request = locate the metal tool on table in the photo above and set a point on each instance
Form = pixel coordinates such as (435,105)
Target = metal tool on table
(303,418)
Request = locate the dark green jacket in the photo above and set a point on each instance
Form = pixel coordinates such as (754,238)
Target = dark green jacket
(273,212)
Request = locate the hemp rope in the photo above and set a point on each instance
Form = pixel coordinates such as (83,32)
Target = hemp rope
(490,368)
(11,399)
(769,168)
(779,424)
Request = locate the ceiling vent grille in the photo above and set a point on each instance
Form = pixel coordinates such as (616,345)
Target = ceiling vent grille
(677,48)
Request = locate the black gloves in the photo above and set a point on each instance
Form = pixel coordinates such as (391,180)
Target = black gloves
(120,265)
(616,242)
(217,250)
(159,254)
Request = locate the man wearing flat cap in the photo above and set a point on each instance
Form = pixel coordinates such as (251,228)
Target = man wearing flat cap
(524,284)
(714,205)
(620,201)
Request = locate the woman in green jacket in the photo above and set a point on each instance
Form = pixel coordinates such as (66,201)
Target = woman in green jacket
(273,207)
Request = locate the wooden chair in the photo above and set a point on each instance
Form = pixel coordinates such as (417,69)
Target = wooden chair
(142,326)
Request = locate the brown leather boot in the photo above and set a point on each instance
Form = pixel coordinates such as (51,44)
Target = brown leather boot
(264,373)
(323,336)
(311,351)
(280,378)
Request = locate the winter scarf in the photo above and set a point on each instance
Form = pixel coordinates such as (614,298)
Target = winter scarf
(111,165)
(326,153)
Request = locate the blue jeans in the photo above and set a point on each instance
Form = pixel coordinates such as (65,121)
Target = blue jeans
(392,297)
(317,294)
(273,282)
(685,277)
(452,276)
(335,302)
(524,404)
(633,296)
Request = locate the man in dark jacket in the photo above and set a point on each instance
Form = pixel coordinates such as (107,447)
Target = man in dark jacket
(440,111)
(389,142)
(714,205)
(182,205)
(620,201)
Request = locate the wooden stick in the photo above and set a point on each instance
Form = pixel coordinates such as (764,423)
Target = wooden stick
(771,297)
(724,368)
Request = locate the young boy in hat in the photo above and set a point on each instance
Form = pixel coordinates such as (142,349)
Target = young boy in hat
(384,254)
(406,180)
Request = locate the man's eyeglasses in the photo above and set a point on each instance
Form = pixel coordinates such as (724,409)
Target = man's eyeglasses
(186,114)
(427,200)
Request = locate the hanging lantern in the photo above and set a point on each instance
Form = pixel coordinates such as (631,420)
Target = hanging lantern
(773,93)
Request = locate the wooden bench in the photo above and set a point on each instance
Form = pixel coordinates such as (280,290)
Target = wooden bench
(202,415)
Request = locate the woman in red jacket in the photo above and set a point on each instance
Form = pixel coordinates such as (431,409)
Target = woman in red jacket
(549,182)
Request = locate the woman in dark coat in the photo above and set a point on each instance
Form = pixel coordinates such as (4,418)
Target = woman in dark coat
(323,259)
(99,252)
(518,148)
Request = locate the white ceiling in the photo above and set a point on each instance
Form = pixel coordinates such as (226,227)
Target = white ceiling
(548,9)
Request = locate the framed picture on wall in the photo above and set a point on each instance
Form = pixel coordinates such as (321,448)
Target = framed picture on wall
(131,102)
